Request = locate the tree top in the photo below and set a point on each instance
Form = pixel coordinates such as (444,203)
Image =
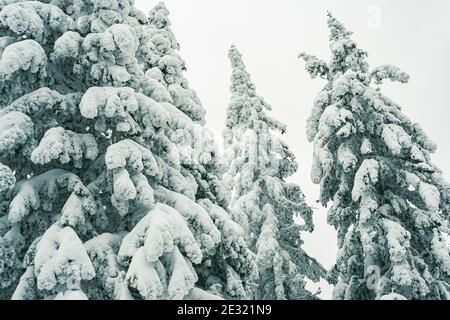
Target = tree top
(337,28)
(159,16)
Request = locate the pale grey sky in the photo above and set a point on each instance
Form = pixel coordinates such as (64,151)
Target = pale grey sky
(413,35)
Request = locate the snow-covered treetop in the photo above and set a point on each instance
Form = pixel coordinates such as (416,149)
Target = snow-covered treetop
(375,165)
(159,16)
(337,29)
(246,107)
(159,51)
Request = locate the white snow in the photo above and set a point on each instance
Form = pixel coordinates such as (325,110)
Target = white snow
(366,175)
(61,259)
(65,145)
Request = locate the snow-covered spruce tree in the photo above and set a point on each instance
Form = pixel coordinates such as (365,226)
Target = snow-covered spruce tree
(390,203)
(109,183)
(228,270)
(262,201)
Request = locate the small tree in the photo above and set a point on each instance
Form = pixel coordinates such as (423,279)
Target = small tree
(390,203)
(262,201)
(100,177)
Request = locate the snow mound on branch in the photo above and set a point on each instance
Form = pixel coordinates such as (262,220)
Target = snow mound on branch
(16,129)
(346,157)
(102,251)
(268,248)
(67,47)
(430,196)
(26,285)
(61,259)
(205,232)
(124,190)
(233,237)
(129,154)
(122,38)
(23,68)
(395,138)
(35,20)
(130,111)
(336,120)
(7,178)
(155,89)
(107,102)
(41,191)
(65,145)
(112,54)
(154,247)
(440,246)
(127,157)
(159,232)
(398,243)
(366,175)
(146,277)
(27,55)
(44,99)
(183,276)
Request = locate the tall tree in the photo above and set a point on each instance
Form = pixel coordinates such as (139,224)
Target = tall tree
(109,183)
(262,201)
(390,203)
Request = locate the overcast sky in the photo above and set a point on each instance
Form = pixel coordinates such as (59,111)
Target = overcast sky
(413,35)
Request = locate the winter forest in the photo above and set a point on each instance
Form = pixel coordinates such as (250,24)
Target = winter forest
(115,186)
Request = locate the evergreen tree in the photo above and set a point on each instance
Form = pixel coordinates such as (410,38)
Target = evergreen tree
(109,183)
(262,201)
(390,203)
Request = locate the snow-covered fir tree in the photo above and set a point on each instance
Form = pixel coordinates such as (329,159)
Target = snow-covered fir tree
(110,186)
(390,203)
(262,201)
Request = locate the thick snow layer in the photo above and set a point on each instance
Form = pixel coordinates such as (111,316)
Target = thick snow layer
(67,47)
(143,276)
(129,154)
(206,232)
(430,196)
(27,56)
(25,287)
(102,251)
(16,129)
(161,236)
(395,138)
(65,145)
(346,157)
(398,241)
(43,99)
(366,175)
(440,246)
(7,178)
(160,230)
(61,259)
(35,20)
(40,191)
